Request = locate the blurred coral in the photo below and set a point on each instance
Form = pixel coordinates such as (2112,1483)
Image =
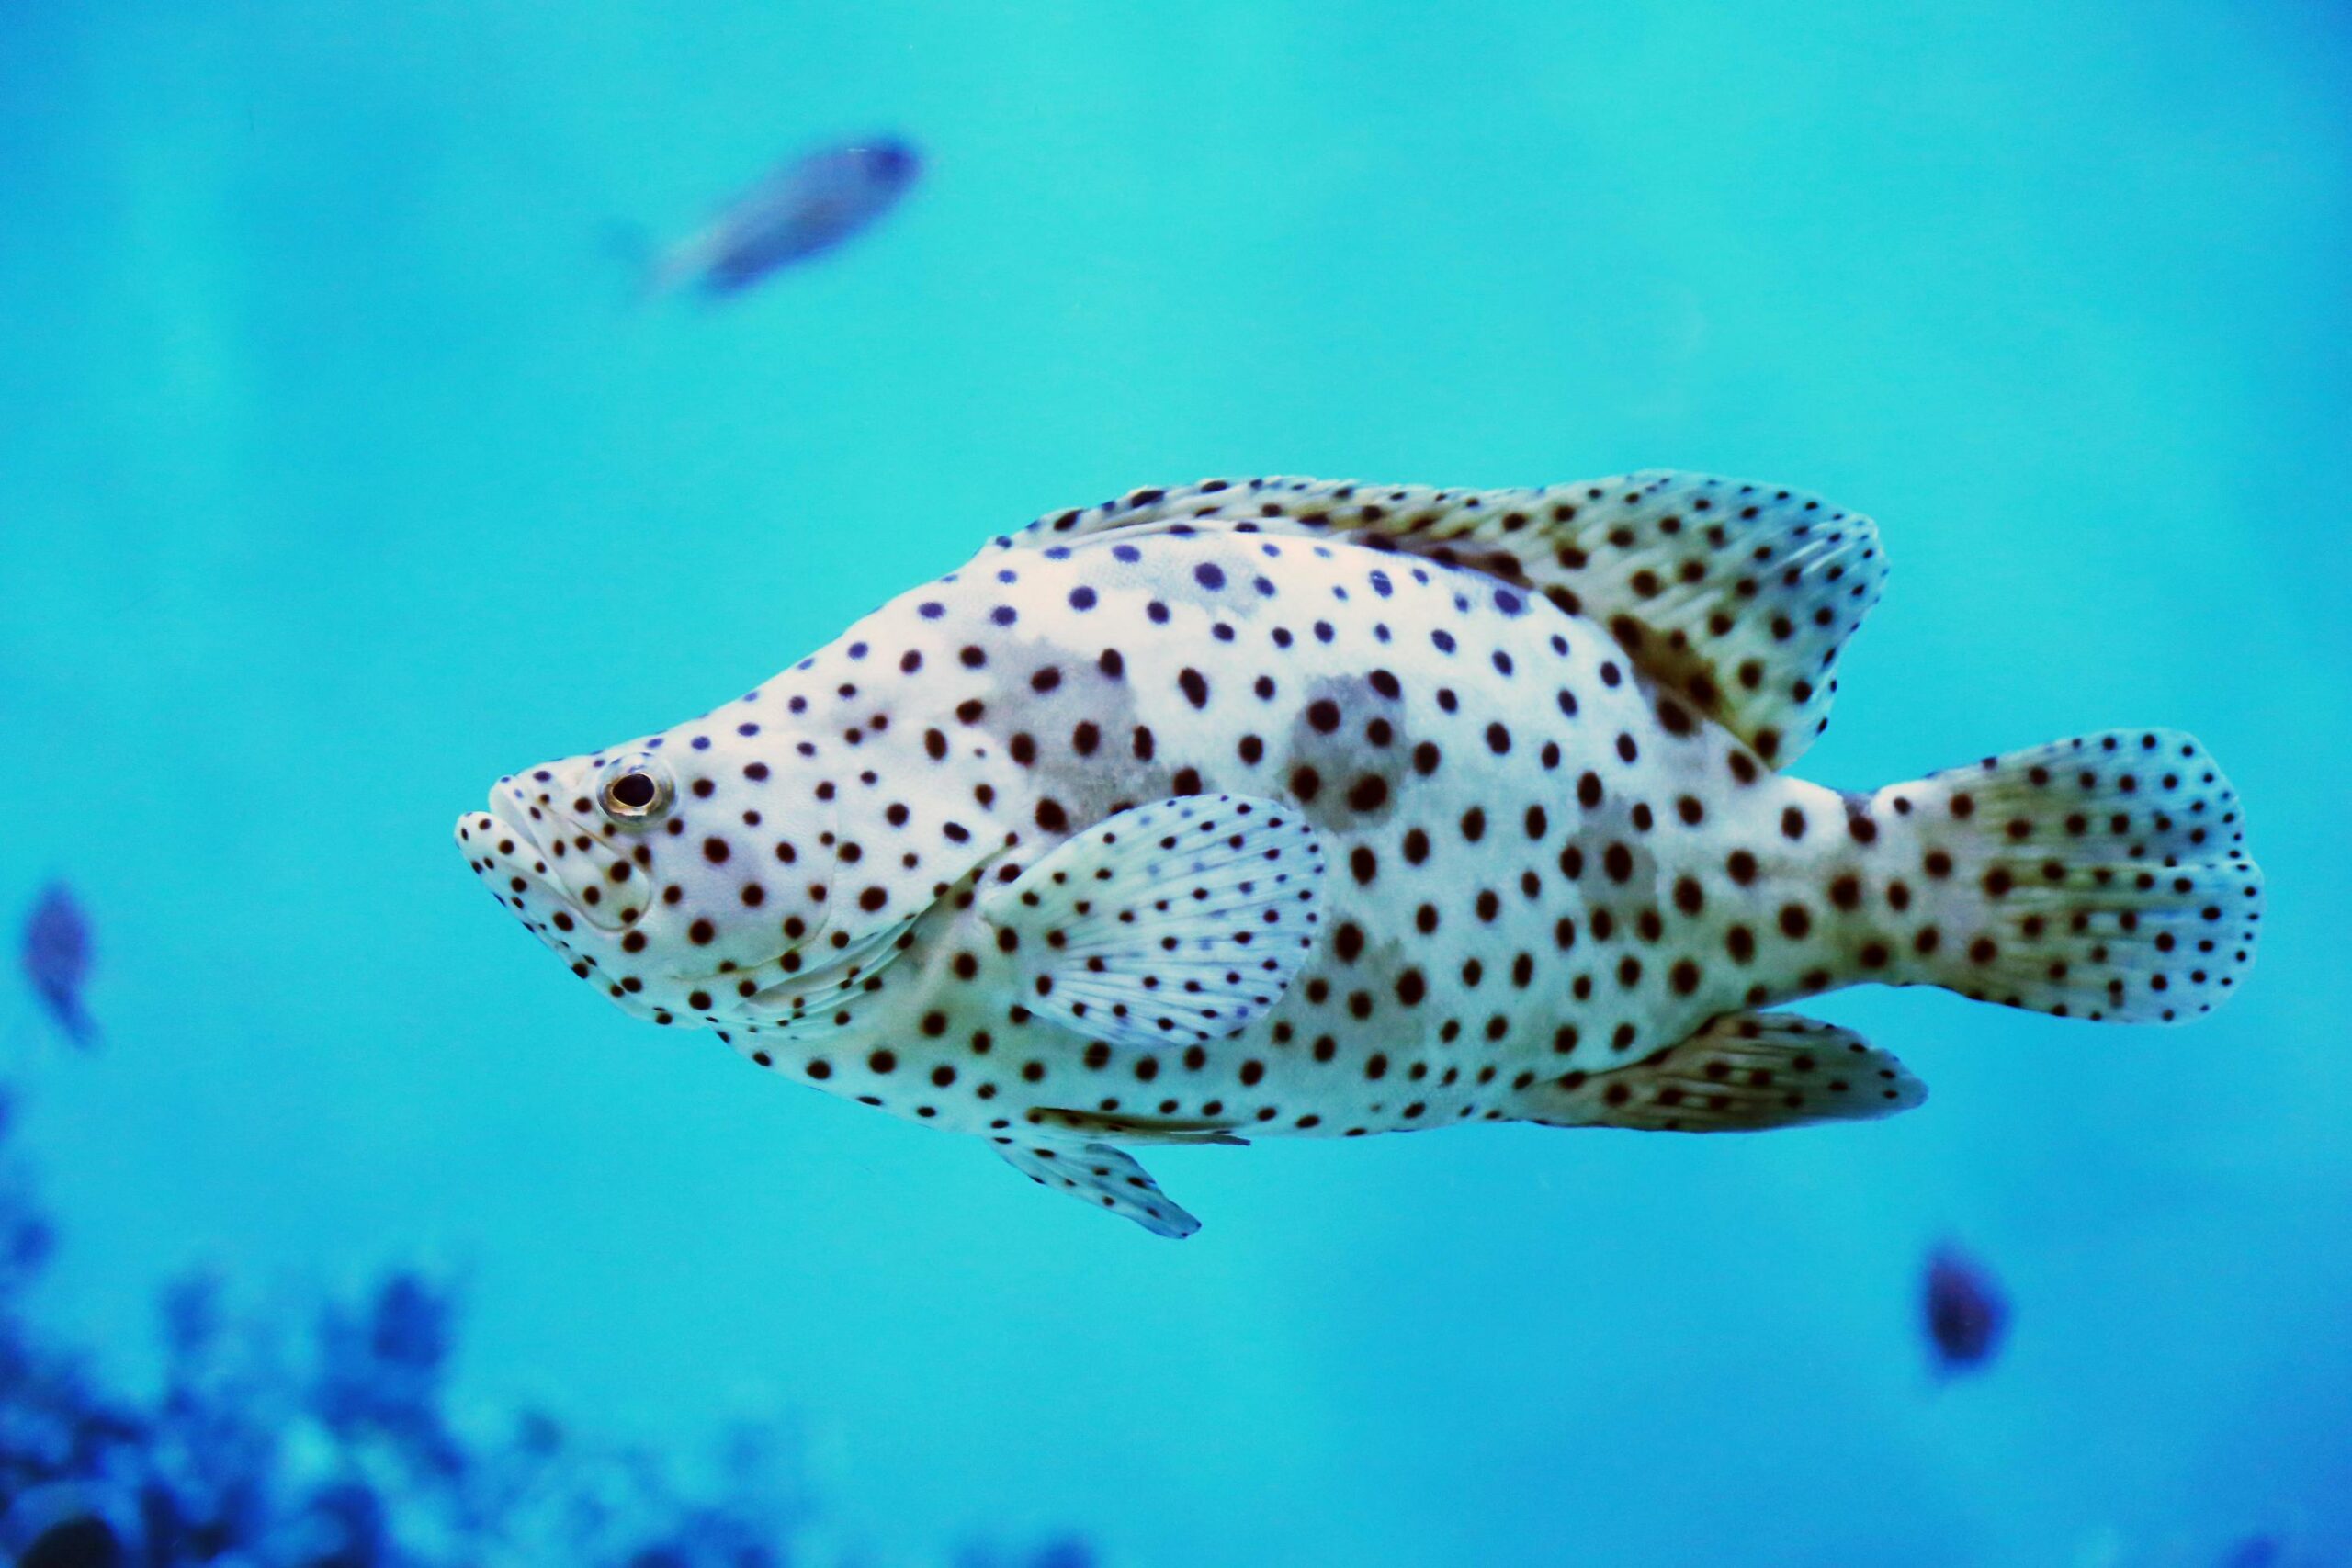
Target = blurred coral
(334,1447)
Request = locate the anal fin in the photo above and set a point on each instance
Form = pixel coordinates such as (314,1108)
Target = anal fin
(1743,1072)
(1100,1175)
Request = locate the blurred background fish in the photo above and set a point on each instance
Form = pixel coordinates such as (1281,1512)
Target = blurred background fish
(57,961)
(801,209)
(1966,1312)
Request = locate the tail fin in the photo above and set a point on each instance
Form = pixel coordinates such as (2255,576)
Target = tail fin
(2103,877)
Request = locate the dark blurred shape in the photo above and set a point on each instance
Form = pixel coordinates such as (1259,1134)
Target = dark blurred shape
(1966,1312)
(57,961)
(800,210)
(85,1542)
(26,1242)
(1068,1551)
(348,1527)
(334,1449)
(2256,1551)
(379,1370)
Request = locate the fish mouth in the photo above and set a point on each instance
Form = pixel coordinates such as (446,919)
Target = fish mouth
(807,991)
(595,879)
(505,848)
(508,858)
(523,863)
(510,816)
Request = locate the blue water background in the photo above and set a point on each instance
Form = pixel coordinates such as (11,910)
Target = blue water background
(336,478)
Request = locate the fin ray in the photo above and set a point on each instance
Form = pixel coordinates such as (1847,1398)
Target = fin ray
(1103,1175)
(1172,923)
(2101,877)
(1745,1072)
(1736,596)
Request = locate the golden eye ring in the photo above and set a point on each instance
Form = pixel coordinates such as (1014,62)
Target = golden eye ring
(636,789)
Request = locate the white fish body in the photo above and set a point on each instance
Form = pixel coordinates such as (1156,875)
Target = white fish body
(1284,807)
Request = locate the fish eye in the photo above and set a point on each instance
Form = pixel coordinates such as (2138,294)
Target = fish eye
(636,788)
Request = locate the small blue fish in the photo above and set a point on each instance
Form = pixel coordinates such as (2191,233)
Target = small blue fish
(800,210)
(1966,1313)
(57,961)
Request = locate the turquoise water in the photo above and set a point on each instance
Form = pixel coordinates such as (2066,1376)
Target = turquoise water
(337,476)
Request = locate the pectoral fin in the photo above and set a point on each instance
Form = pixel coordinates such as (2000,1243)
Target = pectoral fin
(1100,1175)
(1173,923)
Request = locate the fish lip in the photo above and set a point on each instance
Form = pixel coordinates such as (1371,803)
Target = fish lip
(514,815)
(512,818)
(501,844)
(529,859)
(526,859)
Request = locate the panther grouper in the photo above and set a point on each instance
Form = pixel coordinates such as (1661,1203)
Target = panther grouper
(1289,807)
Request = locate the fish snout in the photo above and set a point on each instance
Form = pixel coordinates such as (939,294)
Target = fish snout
(587,864)
(508,862)
(523,876)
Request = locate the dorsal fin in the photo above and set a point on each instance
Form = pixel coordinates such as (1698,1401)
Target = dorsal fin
(1739,595)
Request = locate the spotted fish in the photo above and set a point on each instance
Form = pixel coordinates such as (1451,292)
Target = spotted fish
(1289,807)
